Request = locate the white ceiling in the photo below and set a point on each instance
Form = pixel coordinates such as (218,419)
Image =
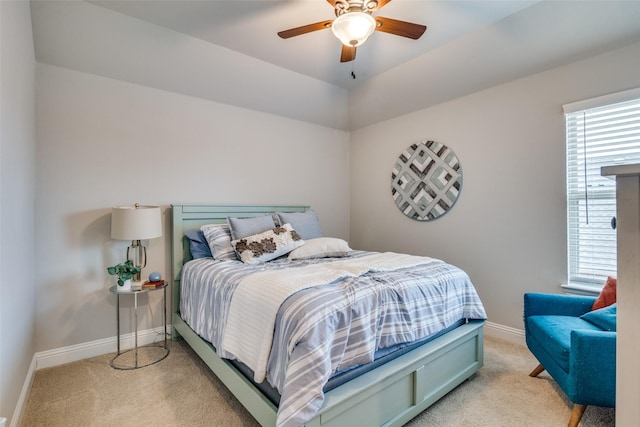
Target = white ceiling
(232,53)
(251,27)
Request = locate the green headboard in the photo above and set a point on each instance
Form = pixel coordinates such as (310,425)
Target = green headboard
(192,217)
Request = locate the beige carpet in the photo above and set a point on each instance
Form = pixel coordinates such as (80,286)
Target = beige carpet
(180,391)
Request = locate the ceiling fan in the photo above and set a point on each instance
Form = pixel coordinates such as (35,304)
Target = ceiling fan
(355,22)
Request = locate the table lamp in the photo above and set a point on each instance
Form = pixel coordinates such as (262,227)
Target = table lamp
(136,223)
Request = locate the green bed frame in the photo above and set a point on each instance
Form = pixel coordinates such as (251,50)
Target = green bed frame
(389,395)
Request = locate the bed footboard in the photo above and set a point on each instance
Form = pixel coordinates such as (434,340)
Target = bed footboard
(389,395)
(397,391)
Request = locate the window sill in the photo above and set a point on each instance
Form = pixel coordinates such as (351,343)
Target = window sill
(577,288)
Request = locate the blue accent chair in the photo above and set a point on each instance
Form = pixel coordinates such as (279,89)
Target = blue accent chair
(579,356)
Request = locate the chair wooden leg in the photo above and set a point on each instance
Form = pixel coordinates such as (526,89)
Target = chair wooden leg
(537,371)
(576,414)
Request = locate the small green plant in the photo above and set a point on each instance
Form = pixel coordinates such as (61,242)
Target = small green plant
(125,271)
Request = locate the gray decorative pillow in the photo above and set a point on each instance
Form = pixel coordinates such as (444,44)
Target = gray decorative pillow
(268,245)
(305,223)
(243,227)
(321,247)
(219,240)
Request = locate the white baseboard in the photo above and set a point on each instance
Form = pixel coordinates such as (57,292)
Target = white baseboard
(60,356)
(507,333)
(24,394)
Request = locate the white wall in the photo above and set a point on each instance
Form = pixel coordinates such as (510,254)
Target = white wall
(507,229)
(104,142)
(17,180)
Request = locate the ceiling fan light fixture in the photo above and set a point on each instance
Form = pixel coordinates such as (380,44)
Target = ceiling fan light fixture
(353,28)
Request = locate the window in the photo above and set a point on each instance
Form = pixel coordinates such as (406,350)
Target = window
(600,132)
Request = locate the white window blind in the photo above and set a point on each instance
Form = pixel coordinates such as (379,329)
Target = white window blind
(596,137)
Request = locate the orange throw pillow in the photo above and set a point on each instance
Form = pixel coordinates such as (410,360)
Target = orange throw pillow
(607,295)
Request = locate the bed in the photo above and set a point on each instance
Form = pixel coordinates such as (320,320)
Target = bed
(390,392)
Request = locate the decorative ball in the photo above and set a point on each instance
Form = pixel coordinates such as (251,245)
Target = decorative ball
(154,276)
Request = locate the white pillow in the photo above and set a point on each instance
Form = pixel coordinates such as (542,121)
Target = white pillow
(268,245)
(321,247)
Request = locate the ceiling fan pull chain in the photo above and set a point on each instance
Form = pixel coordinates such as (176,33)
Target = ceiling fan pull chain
(353,67)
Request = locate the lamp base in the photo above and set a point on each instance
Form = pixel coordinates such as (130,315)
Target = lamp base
(137,254)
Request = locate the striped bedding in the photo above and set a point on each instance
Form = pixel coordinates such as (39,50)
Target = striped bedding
(335,326)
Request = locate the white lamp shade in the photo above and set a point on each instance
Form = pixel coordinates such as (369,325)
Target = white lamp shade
(353,28)
(136,222)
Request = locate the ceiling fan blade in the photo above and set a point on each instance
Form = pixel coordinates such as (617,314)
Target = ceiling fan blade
(332,3)
(348,53)
(380,5)
(400,28)
(292,32)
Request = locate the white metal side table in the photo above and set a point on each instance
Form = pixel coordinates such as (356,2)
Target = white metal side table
(135,348)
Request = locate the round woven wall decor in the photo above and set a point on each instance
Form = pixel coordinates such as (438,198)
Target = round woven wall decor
(426,180)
